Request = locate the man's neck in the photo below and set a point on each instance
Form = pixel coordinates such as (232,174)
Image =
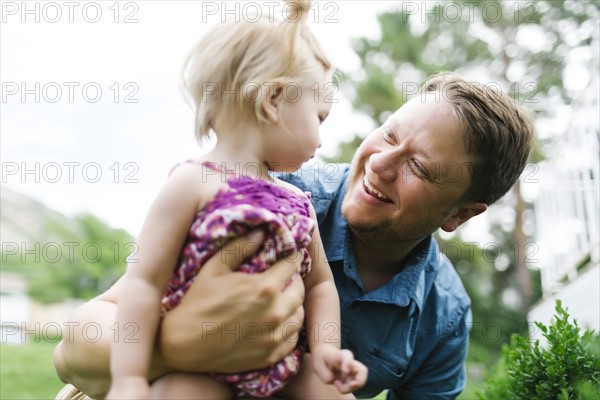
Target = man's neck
(376,265)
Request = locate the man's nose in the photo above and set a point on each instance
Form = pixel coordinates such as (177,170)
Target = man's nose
(385,164)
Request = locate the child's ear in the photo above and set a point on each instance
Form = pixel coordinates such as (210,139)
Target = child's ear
(271,100)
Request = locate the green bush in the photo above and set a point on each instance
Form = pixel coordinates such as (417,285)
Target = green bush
(567,368)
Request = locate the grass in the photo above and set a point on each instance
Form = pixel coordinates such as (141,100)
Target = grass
(27,372)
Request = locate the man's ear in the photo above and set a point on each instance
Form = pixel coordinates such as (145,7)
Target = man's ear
(464,213)
(271,100)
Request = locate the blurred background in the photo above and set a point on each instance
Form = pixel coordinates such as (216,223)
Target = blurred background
(92,119)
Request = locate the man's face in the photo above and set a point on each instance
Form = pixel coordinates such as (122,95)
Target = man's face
(408,176)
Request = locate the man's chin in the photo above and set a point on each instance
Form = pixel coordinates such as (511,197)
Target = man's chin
(357,224)
(353,216)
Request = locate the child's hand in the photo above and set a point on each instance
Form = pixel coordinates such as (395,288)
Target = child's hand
(131,388)
(339,367)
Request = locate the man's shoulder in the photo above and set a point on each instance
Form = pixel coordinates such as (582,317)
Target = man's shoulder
(452,299)
(447,278)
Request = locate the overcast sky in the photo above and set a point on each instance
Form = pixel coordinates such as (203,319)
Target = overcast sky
(91,114)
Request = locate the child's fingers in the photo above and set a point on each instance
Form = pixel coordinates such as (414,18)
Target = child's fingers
(346,359)
(354,379)
(358,375)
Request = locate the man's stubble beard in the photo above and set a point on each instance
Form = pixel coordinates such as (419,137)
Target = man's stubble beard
(379,234)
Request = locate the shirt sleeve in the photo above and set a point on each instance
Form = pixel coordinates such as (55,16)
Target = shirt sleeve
(443,374)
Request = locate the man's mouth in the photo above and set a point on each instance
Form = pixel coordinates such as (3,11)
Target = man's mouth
(374,192)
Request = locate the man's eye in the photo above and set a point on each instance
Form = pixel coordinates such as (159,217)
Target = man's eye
(419,169)
(387,134)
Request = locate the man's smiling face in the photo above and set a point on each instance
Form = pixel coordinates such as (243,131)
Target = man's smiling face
(408,176)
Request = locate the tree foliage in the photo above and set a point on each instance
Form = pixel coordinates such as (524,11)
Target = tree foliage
(523,48)
(78,260)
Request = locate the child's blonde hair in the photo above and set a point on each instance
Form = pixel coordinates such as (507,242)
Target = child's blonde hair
(226,72)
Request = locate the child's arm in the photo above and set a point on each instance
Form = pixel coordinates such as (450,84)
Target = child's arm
(323,324)
(138,314)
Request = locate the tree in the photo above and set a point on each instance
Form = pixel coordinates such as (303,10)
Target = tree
(80,259)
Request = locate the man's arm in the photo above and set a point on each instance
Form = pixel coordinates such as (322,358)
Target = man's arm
(442,376)
(81,359)
(204,333)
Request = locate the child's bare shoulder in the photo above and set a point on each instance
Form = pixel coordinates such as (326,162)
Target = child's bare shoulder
(196,177)
(288,186)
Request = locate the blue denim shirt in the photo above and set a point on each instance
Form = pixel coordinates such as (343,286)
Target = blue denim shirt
(413,332)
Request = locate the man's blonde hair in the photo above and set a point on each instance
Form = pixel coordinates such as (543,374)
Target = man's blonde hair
(226,73)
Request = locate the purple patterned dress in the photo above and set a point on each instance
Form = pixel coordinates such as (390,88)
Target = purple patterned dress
(244,205)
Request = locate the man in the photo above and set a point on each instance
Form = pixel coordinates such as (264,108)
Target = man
(440,160)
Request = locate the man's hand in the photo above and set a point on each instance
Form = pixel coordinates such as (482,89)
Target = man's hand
(232,322)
